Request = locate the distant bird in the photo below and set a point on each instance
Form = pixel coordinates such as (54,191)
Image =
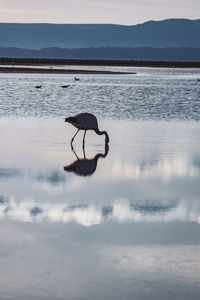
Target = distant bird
(198,80)
(38,86)
(77,79)
(84,166)
(65,86)
(86,121)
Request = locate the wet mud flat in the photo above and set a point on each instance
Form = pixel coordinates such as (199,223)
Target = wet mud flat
(58,71)
(98,62)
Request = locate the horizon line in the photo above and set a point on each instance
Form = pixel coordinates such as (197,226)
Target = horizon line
(115,24)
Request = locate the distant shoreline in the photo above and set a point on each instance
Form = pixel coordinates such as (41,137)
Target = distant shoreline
(94,62)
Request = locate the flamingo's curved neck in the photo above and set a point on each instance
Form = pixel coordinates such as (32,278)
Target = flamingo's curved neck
(97,156)
(103,132)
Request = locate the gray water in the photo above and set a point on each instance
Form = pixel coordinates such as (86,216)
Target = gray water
(150,94)
(100,223)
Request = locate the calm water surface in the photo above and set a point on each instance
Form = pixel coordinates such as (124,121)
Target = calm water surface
(100,223)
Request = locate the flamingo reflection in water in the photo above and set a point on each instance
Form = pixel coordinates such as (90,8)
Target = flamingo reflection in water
(84,166)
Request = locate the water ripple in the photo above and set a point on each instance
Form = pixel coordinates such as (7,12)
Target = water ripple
(155,96)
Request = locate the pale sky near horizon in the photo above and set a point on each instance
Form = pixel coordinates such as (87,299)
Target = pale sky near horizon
(127,12)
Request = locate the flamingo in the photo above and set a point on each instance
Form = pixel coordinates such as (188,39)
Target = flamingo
(86,121)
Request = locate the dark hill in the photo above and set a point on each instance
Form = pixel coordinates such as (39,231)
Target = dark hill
(107,53)
(167,33)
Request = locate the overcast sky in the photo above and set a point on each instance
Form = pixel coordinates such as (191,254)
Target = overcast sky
(97,11)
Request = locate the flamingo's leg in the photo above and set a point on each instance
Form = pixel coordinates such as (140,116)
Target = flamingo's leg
(84,152)
(72,148)
(84,138)
(74,136)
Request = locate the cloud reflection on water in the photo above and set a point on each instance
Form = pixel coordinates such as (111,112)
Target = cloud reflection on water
(122,211)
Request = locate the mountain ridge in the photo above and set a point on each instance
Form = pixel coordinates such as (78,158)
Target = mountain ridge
(165,33)
(107,53)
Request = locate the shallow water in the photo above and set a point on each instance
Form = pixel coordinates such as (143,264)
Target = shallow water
(156,94)
(101,223)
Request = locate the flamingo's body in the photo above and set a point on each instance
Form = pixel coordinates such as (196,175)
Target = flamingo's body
(86,121)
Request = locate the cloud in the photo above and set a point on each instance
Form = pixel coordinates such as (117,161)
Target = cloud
(91,11)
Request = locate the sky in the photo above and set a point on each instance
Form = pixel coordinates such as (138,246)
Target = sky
(127,12)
